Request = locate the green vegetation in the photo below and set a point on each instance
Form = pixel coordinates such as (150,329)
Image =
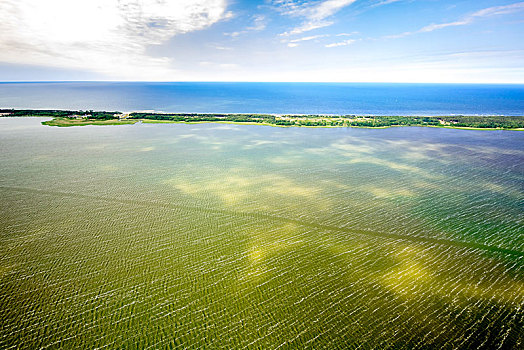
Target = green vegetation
(95,115)
(72,118)
(492,122)
(63,122)
(63,118)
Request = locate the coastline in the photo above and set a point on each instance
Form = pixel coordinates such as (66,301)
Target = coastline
(68,118)
(145,121)
(58,122)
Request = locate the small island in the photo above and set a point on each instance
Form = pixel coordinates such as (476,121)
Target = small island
(65,118)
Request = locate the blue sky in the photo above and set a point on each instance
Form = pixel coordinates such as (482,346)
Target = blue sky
(269,40)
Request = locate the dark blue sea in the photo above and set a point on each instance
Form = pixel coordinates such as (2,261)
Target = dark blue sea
(278,98)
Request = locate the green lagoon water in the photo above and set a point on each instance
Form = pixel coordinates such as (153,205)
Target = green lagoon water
(230,237)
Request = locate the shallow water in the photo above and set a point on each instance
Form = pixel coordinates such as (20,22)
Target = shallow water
(228,236)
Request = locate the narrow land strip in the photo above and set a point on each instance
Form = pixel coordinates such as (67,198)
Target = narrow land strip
(65,118)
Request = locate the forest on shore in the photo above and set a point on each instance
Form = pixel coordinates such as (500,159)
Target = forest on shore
(89,117)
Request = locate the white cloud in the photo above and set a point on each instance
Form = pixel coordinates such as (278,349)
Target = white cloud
(487,12)
(105,36)
(314,13)
(499,10)
(327,8)
(307,26)
(220,47)
(313,10)
(307,38)
(384,2)
(342,43)
(259,23)
(432,27)
(294,42)
(234,34)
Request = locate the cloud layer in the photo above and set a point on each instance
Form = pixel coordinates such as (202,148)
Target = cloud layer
(267,40)
(106,36)
(487,12)
(314,14)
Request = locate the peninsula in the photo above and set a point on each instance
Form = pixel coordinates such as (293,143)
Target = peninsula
(64,118)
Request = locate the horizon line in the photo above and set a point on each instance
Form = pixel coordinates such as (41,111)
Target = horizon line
(256,82)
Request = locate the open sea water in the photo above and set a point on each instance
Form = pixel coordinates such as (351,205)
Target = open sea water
(277,98)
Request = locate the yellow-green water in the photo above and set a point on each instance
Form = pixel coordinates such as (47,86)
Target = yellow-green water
(226,236)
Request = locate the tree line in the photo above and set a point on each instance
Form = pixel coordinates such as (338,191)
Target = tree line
(504,122)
